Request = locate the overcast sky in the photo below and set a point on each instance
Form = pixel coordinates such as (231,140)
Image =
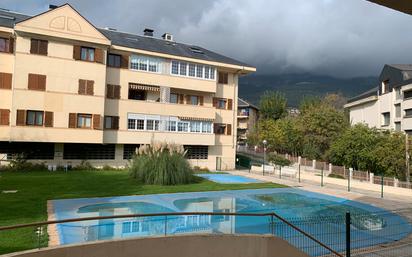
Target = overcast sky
(342,38)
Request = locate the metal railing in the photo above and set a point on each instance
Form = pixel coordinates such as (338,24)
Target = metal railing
(278,226)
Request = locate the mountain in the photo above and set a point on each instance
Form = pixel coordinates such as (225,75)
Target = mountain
(296,86)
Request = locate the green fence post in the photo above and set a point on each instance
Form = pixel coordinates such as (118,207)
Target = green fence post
(349,182)
(321,181)
(299,172)
(382,186)
(280,171)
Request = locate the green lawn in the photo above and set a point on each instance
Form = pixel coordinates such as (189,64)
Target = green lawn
(35,188)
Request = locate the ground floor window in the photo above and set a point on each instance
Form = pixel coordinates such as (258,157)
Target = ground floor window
(196,152)
(129,151)
(30,151)
(88,152)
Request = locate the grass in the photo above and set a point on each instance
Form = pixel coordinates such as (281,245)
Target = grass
(35,188)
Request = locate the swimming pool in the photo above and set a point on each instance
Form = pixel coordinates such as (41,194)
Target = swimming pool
(291,203)
(228,178)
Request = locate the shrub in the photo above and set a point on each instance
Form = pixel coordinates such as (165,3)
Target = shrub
(84,165)
(279,160)
(197,169)
(336,176)
(20,163)
(161,164)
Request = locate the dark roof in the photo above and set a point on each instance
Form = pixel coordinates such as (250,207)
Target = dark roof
(9,18)
(403,67)
(166,47)
(371,92)
(243,103)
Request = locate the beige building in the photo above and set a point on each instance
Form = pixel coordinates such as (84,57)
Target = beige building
(247,118)
(389,105)
(70,92)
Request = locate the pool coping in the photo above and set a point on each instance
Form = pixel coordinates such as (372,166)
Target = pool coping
(52,230)
(205,176)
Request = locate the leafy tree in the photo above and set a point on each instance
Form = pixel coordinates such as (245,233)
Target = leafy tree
(272,105)
(336,100)
(309,101)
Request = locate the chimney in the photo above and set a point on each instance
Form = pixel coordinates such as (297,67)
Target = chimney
(52,6)
(167,37)
(148,32)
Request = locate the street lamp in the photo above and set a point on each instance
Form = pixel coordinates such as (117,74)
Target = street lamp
(264,155)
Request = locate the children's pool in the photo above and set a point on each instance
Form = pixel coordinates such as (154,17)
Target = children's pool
(318,214)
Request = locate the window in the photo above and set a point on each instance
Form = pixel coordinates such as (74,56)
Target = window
(113,91)
(386,119)
(37,82)
(86,87)
(140,124)
(175,67)
(397,126)
(212,73)
(223,78)
(89,151)
(5,80)
(385,86)
(196,152)
(195,126)
(407,94)
(135,124)
(4,45)
(171,126)
(174,98)
(199,71)
(131,124)
(192,70)
(129,151)
(34,118)
(38,46)
(408,113)
(194,100)
(152,125)
(398,93)
(397,110)
(207,72)
(114,60)
(220,128)
(137,94)
(183,68)
(4,117)
(84,120)
(144,63)
(408,132)
(87,54)
(221,104)
(183,126)
(111,122)
(206,127)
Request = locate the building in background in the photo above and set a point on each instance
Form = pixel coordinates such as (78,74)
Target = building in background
(247,118)
(70,92)
(389,105)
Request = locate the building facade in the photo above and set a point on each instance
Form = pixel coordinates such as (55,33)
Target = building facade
(70,92)
(247,118)
(389,105)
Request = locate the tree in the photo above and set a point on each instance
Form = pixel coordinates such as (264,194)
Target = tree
(272,105)
(336,100)
(309,101)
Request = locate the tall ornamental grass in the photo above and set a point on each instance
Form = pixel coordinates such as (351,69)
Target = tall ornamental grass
(161,164)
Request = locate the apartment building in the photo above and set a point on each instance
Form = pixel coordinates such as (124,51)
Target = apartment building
(70,92)
(247,118)
(389,105)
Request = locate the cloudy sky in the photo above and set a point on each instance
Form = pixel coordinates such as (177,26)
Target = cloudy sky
(342,38)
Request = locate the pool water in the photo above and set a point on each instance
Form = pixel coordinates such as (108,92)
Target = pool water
(310,211)
(228,178)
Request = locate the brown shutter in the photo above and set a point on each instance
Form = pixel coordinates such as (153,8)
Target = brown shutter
(77,52)
(116,92)
(225,78)
(4,117)
(11,45)
(5,80)
(181,99)
(48,119)
(215,127)
(82,87)
(229,104)
(96,121)
(90,87)
(98,55)
(110,91)
(187,99)
(33,82)
(34,46)
(201,100)
(228,129)
(124,62)
(21,118)
(41,82)
(215,101)
(115,122)
(43,46)
(72,120)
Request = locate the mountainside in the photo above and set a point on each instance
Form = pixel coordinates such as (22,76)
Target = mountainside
(295,86)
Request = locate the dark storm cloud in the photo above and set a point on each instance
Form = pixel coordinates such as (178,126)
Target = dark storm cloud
(335,37)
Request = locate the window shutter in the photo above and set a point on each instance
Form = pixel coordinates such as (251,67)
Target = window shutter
(124,62)
(4,117)
(41,82)
(77,52)
(48,119)
(72,120)
(34,46)
(90,87)
(181,99)
(225,78)
(33,82)
(201,100)
(187,99)
(215,101)
(215,127)
(116,92)
(82,87)
(98,55)
(115,122)
(21,118)
(11,45)
(43,47)
(5,80)
(96,121)
(229,104)
(228,129)
(110,91)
